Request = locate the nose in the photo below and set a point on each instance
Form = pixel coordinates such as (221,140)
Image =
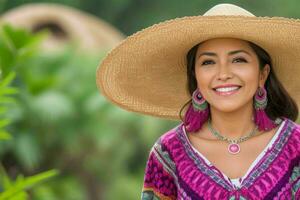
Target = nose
(224,72)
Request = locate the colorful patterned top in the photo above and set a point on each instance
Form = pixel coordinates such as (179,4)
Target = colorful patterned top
(176,170)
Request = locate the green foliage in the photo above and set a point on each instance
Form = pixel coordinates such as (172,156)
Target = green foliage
(5,90)
(60,121)
(15,46)
(15,190)
(63,187)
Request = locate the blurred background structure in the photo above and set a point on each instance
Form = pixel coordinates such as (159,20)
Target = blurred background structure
(58,120)
(65,25)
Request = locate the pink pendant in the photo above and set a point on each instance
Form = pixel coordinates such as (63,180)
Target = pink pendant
(234,148)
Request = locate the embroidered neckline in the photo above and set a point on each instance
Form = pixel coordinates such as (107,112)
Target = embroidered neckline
(277,141)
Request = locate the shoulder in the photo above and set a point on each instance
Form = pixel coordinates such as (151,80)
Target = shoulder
(164,147)
(292,126)
(168,143)
(170,138)
(292,130)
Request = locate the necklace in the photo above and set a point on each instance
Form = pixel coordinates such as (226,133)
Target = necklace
(233,147)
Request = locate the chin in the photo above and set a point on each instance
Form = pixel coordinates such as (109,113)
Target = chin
(227,107)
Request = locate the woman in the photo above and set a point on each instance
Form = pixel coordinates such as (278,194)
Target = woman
(238,138)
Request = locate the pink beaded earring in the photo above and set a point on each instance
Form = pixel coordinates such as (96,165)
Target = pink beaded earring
(261,118)
(197,113)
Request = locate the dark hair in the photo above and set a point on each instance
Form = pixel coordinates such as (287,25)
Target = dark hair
(280,103)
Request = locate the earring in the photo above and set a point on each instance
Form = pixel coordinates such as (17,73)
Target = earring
(261,118)
(197,113)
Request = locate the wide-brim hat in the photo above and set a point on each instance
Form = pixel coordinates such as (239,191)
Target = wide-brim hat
(146,73)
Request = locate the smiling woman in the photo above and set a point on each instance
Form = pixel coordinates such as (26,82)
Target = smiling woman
(230,75)
(237,138)
(223,69)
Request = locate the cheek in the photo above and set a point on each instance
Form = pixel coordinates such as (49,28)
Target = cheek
(249,75)
(204,80)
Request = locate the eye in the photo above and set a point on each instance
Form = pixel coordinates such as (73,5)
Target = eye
(240,60)
(207,62)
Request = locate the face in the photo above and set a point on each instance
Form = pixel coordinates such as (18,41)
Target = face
(227,73)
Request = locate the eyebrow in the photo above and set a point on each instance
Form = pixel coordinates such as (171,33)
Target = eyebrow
(230,53)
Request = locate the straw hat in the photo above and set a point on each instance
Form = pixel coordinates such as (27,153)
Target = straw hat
(67,25)
(146,73)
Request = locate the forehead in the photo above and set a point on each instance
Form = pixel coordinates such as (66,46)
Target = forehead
(223,45)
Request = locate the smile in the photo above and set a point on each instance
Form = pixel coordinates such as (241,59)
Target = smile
(226,91)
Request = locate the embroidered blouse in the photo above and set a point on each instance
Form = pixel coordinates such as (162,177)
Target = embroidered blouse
(177,170)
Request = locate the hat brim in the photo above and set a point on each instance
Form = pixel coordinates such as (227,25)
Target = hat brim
(146,73)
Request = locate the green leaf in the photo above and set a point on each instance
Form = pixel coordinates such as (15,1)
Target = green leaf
(4,135)
(8,91)
(3,109)
(8,79)
(4,122)
(19,196)
(18,38)
(6,59)
(6,100)
(26,183)
(6,182)
(16,46)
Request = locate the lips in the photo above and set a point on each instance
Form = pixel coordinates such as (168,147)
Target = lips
(226,91)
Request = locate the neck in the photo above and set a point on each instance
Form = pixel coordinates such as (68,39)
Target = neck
(235,124)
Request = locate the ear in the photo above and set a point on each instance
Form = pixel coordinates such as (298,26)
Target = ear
(263,75)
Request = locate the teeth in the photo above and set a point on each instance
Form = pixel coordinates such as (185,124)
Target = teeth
(227,89)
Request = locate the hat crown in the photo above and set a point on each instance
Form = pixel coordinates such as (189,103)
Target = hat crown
(227,9)
(152,80)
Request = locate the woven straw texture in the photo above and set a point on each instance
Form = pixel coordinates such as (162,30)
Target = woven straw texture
(146,73)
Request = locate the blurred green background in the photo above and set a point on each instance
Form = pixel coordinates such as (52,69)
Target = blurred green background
(59,120)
